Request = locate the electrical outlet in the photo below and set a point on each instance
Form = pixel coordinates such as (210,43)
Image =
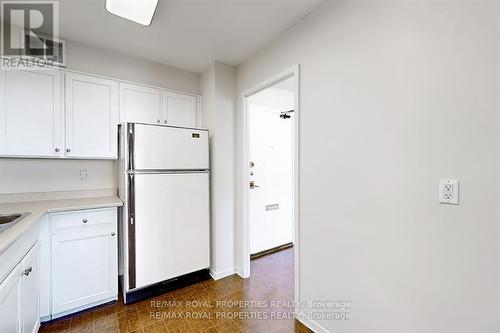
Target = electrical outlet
(449,191)
(83,174)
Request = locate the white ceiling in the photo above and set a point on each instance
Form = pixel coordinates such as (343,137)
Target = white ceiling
(185,33)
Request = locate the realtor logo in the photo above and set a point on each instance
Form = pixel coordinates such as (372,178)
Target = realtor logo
(29,36)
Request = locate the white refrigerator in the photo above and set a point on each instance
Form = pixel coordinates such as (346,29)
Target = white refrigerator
(165,227)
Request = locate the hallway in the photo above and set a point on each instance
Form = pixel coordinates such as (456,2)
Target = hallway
(231,305)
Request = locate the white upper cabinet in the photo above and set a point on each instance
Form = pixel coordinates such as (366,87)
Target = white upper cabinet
(30,113)
(139,104)
(64,114)
(91,117)
(179,109)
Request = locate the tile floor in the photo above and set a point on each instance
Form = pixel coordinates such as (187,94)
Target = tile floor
(259,304)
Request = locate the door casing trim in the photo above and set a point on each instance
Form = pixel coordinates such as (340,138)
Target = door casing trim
(244,239)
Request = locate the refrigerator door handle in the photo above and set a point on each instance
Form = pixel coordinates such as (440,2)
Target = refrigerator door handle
(131,233)
(130,138)
(166,172)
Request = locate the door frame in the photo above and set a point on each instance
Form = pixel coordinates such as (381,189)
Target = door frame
(292,72)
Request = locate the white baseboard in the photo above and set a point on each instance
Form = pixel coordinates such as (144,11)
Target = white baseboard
(222,274)
(239,271)
(311,324)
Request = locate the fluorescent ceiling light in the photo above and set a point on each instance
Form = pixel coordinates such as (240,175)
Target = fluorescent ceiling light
(139,11)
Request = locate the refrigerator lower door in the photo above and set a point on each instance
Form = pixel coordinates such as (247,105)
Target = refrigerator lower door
(169,148)
(172,228)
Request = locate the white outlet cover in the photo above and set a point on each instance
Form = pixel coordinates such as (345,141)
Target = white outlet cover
(83,174)
(449,190)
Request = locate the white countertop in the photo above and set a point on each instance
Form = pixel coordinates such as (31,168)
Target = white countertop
(39,208)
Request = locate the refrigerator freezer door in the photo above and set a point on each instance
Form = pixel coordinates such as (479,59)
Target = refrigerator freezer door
(170,148)
(171,226)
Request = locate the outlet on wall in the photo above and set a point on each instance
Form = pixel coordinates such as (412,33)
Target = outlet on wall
(83,174)
(449,191)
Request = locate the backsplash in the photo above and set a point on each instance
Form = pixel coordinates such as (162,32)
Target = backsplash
(48,175)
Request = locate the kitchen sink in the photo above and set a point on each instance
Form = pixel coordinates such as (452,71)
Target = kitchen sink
(8,220)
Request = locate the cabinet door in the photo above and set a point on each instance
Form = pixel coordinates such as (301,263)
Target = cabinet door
(139,104)
(90,256)
(91,116)
(30,291)
(10,309)
(179,109)
(30,113)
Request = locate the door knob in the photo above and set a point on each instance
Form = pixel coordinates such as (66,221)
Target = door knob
(68,150)
(85,220)
(57,150)
(112,234)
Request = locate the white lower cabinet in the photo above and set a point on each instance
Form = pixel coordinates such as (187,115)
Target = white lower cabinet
(19,296)
(84,260)
(30,292)
(10,300)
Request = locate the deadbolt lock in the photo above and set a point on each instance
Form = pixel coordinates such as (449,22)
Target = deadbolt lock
(252,185)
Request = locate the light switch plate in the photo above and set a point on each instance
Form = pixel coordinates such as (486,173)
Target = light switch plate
(449,190)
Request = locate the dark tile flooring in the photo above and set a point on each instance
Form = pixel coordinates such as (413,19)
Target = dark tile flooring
(261,303)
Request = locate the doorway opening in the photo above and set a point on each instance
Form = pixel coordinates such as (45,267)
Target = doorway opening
(270,170)
(270,206)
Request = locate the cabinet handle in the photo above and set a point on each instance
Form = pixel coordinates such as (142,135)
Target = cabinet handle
(112,234)
(158,121)
(68,150)
(85,220)
(165,121)
(57,150)
(28,271)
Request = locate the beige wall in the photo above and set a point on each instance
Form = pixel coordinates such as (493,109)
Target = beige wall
(40,175)
(395,95)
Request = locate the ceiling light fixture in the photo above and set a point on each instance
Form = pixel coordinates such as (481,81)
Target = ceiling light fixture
(139,11)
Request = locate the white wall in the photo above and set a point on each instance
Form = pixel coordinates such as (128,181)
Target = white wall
(39,175)
(96,60)
(219,105)
(395,95)
(271,150)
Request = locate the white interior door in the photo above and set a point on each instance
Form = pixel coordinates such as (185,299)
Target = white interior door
(271,203)
(171,225)
(170,148)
